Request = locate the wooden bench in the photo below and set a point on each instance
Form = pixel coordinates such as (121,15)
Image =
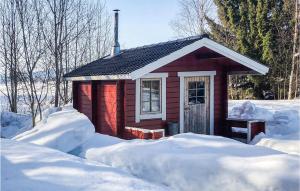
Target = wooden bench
(244,128)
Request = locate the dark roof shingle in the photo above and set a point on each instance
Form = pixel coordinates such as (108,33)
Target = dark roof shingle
(132,59)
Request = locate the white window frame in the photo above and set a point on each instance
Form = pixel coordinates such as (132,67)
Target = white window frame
(138,112)
(182,76)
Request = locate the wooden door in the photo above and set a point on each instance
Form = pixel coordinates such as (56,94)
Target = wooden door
(107,108)
(196,104)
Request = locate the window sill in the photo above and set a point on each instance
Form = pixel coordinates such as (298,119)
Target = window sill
(151,116)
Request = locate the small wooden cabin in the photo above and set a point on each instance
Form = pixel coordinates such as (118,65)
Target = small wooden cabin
(134,93)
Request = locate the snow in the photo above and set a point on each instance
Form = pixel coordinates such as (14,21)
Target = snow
(96,141)
(25,166)
(286,143)
(63,130)
(282,122)
(190,161)
(13,124)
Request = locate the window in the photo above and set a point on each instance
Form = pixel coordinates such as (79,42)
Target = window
(150,96)
(150,102)
(196,92)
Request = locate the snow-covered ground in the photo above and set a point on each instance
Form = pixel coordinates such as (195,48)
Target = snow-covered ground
(182,162)
(282,122)
(190,161)
(25,166)
(62,130)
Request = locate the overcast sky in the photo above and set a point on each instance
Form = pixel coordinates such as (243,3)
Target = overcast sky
(143,22)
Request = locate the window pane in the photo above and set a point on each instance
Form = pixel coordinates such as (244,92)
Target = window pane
(146,90)
(155,85)
(192,85)
(200,85)
(155,106)
(200,100)
(192,93)
(192,100)
(200,92)
(155,95)
(145,106)
(145,95)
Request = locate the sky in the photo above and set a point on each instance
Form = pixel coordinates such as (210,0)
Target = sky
(143,22)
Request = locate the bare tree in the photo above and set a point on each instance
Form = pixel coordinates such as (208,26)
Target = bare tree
(10,52)
(33,49)
(191,18)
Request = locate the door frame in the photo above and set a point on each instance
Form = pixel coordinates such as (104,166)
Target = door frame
(182,76)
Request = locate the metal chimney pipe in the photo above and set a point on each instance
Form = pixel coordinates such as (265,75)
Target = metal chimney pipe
(116,48)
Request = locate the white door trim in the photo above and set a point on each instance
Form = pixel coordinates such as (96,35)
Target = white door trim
(211,75)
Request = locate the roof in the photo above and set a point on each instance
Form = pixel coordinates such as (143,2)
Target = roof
(136,62)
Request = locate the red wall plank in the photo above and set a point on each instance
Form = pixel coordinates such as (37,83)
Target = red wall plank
(84,98)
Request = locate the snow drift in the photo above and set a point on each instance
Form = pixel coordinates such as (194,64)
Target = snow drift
(96,141)
(63,130)
(31,167)
(190,162)
(13,124)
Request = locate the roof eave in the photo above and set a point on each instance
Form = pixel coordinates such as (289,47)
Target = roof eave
(99,77)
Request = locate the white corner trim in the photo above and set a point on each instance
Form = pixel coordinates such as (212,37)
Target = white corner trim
(182,76)
(101,77)
(211,105)
(181,102)
(137,100)
(196,73)
(162,115)
(205,42)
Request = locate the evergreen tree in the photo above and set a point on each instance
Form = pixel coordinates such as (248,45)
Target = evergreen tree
(261,29)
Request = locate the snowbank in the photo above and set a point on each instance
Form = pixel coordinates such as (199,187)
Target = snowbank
(30,167)
(282,116)
(96,141)
(13,124)
(282,122)
(190,162)
(63,130)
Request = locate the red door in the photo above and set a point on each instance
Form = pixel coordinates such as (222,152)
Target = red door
(107,108)
(85,99)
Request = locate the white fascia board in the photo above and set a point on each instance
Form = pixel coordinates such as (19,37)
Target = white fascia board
(205,42)
(235,56)
(101,77)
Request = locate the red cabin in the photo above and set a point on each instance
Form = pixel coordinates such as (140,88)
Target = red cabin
(134,93)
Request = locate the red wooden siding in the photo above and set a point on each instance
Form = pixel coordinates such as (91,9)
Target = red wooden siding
(190,62)
(84,98)
(107,108)
(103,103)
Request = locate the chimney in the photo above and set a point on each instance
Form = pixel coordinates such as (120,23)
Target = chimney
(116,48)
